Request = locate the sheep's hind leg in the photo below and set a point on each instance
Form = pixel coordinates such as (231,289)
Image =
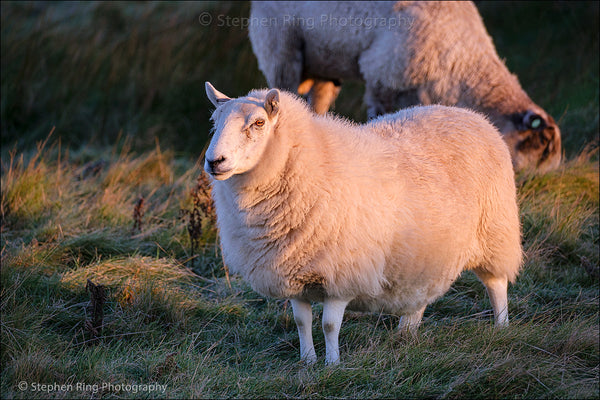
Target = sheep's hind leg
(497,288)
(322,94)
(303,317)
(409,323)
(333,313)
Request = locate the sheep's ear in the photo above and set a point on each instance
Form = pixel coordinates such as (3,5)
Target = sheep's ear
(272,102)
(215,97)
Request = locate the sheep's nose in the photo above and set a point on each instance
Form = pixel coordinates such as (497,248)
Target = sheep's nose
(214,164)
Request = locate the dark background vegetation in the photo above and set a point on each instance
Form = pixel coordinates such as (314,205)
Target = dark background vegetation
(100,71)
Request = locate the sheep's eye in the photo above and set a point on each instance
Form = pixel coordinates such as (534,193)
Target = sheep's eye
(259,122)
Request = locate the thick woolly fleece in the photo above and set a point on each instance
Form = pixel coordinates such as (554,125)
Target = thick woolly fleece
(387,214)
(407,53)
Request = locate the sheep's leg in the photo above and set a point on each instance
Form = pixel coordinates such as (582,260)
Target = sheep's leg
(497,288)
(333,313)
(374,105)
(278,49)
(287,76)
(322,95)
(410,323)
(286,72)
(303,317)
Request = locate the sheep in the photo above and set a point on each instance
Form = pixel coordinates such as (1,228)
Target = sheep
(407,53)
(376,217)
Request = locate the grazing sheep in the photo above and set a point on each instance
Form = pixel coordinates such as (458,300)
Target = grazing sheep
(382,216)
(407,53)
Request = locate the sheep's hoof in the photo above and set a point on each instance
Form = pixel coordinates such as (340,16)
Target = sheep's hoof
(309,359)
(501,324)
(408,330)
(332,362)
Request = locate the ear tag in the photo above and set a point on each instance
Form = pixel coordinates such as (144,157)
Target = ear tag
(536,123)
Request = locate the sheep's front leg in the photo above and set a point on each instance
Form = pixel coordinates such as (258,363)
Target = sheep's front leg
(409,323)
(333,313)
(303,317)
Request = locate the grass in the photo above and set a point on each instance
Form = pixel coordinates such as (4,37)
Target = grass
(96,99)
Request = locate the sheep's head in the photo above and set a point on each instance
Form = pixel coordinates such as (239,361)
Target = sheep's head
(533,139)
(242,128)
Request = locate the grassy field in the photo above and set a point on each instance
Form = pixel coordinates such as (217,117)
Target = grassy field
(103,104)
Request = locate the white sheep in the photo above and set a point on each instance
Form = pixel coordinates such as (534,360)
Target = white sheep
(407,53)
(381,216)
